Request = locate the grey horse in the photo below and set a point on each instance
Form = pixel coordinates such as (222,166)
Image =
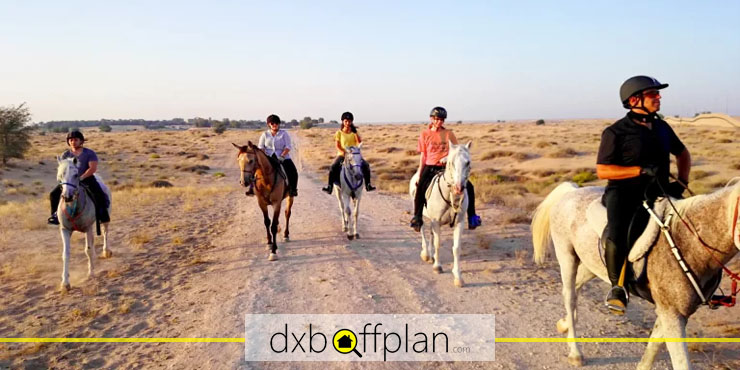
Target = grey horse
(561,218)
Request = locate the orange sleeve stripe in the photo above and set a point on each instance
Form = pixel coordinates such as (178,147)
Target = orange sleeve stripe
(615,172)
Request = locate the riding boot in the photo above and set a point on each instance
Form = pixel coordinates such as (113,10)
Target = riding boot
(366,175)
(417,221)
(54,198)
(617,298)
(473,220)
(330,186)
(250,190)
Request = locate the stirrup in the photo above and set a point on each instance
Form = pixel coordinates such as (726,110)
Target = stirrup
(614,302)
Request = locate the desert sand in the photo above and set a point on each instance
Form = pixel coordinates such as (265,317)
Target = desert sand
(190,261)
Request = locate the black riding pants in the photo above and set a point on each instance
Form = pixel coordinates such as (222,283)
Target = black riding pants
(627,219)
(290,170)
(101,201)
(336,167)
(426,177)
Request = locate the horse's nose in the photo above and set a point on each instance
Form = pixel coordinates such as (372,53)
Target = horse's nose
(458,189)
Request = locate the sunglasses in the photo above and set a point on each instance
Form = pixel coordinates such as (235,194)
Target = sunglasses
(651,94)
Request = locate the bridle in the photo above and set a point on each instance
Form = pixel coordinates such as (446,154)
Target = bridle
(457,205)
(354,167)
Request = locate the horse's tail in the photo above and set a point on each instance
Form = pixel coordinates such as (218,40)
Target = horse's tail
(541,220)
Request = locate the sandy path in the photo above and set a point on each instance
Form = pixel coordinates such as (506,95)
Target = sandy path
(204,288)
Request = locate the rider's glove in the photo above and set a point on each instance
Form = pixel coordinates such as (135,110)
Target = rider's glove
(675,189)
(650,171)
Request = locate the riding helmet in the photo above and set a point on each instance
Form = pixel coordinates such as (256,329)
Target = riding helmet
(438,112)
(273,118)
(75,134)
(349,116)
(637,84)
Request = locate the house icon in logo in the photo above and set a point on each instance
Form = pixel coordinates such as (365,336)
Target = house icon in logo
(345,342)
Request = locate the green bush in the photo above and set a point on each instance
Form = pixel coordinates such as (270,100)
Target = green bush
(540,122)
(583,177)
(105,128)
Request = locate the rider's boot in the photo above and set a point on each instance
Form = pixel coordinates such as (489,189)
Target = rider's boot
(473,222)
(250,190)
(327,189)
(369,187)
(416,223)
(53,220)
(617,298)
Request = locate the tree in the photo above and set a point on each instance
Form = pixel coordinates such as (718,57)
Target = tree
(540,122)
(219,127)
(14,134)
(105,128)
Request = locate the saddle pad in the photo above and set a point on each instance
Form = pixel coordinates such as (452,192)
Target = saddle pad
(596,217)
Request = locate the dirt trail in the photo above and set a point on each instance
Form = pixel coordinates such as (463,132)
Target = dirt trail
(204,287)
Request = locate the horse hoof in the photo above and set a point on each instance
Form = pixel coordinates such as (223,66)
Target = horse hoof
(437,269)
(64,288)
(562,326)
(273,257)
(106,254)
(350,237)
(459,283)
(575,360)
(424,257)
(286,239)
(357,236)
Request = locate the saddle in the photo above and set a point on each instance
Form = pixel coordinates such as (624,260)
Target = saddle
(635,276)
(279,170)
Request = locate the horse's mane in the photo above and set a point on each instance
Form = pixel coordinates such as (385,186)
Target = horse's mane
(683,205)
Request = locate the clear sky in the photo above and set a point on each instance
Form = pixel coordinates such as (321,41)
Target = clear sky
(384,61)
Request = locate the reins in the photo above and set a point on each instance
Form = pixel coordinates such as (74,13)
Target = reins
(727,301)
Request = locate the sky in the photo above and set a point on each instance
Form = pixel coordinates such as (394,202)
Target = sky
(384,61)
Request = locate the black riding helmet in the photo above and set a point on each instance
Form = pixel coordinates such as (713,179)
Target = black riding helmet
(637,84)
(349,116)
(75,134)
(438,112)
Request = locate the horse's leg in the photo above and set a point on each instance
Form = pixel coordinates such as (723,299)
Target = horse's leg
(646,363)
(66,234)
(356,211)
(90,250)
(106,250)
(274,230)
(437,267)
(347,214)
(673,325)
(426,255)
(338,192)
(456,235)
(583,276)
(266,220)
(288,209)
(568,267)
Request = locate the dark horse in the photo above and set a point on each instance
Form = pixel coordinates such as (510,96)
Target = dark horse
(270,189)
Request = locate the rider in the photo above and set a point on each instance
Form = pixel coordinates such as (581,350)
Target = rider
(433,146)
(87,165)
(276,144)
(634,156)
(346,137)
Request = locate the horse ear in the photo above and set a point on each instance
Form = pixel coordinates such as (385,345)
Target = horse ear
(468,144)
(450,144)
(237,146)
(249,144)
(443,160)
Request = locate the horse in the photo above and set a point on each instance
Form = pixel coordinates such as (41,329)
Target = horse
(270,190)
(76,212)
(446,203)
(561,218)
(349,190)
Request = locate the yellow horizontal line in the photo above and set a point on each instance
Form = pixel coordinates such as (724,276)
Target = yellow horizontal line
(241,340)
(617,340)
(121,340)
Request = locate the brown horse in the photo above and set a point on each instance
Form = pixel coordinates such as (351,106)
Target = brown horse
(270,189)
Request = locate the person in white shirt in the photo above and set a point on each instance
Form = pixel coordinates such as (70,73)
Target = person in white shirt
(276,144)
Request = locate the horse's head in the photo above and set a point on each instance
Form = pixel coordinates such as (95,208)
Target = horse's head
(353,160)
(68,177)
(457,166)
(247,160)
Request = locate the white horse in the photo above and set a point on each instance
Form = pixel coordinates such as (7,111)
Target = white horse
(561,217)
(349,190)
(447,203)
(76,212)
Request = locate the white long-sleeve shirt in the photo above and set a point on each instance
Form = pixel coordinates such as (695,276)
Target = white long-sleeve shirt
(275,144)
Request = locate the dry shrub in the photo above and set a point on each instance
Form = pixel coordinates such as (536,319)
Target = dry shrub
(724,140)
(411,152)
(139,239)
(544,144)
(390,149)
(700,174)
(563,153)
(505,153)
(735,166)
